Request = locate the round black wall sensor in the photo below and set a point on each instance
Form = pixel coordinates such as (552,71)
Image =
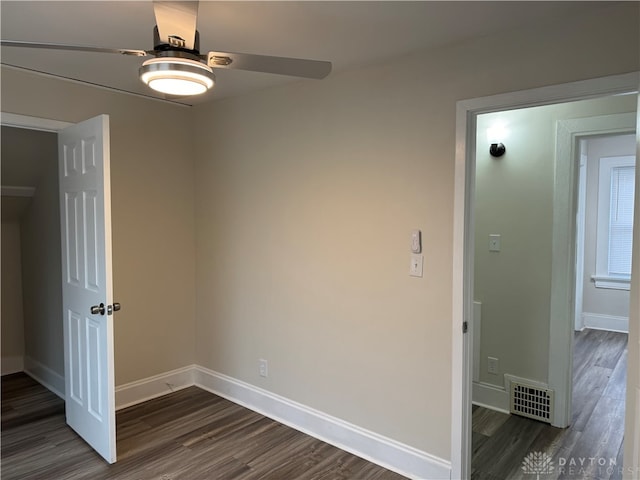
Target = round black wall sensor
(497,149)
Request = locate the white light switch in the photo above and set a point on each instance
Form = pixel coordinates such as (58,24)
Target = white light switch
(494,243)
(415,268)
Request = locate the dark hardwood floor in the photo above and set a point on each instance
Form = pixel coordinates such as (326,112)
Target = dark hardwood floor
(591,448)
(188,435)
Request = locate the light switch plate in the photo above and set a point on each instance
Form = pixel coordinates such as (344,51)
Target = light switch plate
(415,268)
(494,242)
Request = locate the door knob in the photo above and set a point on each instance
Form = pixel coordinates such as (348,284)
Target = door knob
(113,308)
(97,309)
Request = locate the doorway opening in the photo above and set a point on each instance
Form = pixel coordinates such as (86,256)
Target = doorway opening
(604,226)
(560,333)
(32,335)
(513,251)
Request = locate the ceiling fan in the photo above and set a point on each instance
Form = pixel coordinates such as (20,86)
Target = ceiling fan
(177,67)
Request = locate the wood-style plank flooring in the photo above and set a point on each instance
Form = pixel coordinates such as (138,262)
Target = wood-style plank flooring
(188,435)
(501,442)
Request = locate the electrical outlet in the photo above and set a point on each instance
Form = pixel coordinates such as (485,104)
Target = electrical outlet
(263,367)
(493,365)
(494,242)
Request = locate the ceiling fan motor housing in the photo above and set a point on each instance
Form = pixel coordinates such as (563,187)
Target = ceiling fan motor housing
(175,43)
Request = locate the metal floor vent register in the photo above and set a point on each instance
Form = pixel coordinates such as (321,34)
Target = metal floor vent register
(532,402)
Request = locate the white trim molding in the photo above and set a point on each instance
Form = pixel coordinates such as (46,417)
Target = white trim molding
(45,376)
(32,123)
(612,283)
(391,454)
(140,391)
(612,323)
(569,134)
(566,290)
(491,397)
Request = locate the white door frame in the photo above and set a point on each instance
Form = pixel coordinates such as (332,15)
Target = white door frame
(52,380)
(569,136)
(581,217)
(564,286)
(32,123)
(463,228)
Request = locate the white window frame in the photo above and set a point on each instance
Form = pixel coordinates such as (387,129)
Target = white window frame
(603,278)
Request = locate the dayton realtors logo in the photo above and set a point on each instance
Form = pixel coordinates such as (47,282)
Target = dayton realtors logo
(540,463)
(537,463)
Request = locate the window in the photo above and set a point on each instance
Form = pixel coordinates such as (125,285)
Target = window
(616,185)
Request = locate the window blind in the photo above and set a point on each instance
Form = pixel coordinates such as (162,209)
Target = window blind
(621,220)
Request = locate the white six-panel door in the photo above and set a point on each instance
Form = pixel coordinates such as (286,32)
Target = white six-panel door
(85,216)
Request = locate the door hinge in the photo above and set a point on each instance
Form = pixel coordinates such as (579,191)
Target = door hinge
(465,327)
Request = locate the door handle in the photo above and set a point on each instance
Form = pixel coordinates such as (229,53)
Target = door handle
(97,309)
(113,308)
(100,309)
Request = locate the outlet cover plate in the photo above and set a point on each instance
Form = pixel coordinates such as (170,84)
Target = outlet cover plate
(263,367)
(493,365)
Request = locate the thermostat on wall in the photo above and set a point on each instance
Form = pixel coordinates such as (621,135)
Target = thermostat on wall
(416,241)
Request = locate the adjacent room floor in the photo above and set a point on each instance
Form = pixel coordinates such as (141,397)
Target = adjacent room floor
(190,434)
(590,448)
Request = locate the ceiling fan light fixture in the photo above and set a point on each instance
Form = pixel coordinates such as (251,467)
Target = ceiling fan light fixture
(177,76)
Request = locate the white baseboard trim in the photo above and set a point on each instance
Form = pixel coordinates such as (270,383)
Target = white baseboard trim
(45,376)
(491,397)
(389,453)
(371,446)
(605,322)
(393,455)
(12,365)
(142,390)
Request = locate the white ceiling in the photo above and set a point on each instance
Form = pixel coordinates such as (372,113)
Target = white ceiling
(348,34)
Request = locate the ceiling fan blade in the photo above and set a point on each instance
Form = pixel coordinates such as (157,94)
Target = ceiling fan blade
(176,23)
(80,48)
(296,67)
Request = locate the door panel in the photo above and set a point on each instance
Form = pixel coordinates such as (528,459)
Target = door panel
(87,281)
